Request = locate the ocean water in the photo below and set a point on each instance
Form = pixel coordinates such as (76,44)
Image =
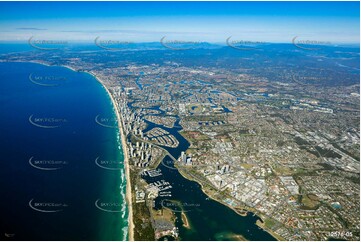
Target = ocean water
(62,172)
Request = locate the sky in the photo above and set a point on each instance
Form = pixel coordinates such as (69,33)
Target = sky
(335,22)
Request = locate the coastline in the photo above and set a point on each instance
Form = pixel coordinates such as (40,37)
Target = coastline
(130,227)
(126,160)
(258,223)
(49,65)
(185,220)
(124,147)
(127,167)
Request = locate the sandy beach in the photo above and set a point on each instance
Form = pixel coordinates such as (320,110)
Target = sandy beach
(46,64)
(71,68)
(126,162)
(124,147)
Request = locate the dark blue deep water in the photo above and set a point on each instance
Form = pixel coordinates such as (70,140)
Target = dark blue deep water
(61,175)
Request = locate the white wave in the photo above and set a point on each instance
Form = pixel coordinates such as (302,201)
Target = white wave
(125,233)
(122,187)
(123,193)
(124,209)
(124,204)
(122,176)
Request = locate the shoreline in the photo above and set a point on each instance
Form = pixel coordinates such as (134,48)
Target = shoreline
(126,160)
(124,145)
(185,220)
(127,168)
(49,65)
(258,222)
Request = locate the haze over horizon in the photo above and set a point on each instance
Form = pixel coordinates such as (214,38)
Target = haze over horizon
(273,22)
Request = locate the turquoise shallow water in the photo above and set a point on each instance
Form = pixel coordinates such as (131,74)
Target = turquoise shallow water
(62,173)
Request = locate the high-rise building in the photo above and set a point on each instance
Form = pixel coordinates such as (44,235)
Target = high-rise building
(142,156)
(183,157)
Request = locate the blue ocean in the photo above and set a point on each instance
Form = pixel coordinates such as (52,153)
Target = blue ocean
(62,173)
